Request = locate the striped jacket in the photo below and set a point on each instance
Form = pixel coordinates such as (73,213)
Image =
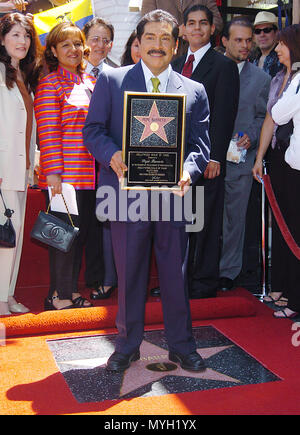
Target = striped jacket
(61,105)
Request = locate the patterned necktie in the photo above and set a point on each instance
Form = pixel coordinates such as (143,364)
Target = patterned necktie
(95,72)
(155,82)
(188,66)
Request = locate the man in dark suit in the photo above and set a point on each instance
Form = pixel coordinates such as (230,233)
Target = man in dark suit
(157,33)
(220,77)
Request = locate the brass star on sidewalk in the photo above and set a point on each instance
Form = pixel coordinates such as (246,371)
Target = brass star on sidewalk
(154,124)
(138,374)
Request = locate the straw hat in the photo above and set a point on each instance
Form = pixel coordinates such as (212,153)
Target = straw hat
(265,18)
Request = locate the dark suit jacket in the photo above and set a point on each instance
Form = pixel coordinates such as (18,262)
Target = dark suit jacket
(220,77)
(103,128)
(254,92)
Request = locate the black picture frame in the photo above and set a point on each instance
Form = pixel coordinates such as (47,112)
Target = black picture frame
(153,140)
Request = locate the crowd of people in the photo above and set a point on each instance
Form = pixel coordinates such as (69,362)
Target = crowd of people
(66,98)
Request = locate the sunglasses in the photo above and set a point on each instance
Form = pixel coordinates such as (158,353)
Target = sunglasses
(265,30)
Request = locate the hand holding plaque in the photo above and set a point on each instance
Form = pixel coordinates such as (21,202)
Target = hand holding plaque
(184,184)
(153,140)
(118,165)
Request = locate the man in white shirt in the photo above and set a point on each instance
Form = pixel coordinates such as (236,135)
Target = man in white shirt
(132,240)
(99,35)
(100,272)
(163,78)
(220,77)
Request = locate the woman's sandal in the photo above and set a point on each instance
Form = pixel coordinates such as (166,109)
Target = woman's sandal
(80,302)
(282,314)
(49,306)
(101,293)
(281,302)
(270,298)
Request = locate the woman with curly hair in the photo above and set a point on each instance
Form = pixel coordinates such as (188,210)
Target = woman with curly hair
(61,105)
(19,74)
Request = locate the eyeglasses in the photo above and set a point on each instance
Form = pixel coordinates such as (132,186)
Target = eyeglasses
(98,39)
(265,30)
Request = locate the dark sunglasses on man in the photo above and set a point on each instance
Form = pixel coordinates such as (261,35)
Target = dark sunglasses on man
(265,30)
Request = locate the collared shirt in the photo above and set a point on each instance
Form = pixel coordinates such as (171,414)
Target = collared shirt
(61,105)
(163,78)
(271,64)
(240,66)
(102,67)
(198,54)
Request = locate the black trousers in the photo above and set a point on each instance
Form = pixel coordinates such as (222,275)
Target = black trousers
(285,271)
(132,244)
(65,267)
(205,245)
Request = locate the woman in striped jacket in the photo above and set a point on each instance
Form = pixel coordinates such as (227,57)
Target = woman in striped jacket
(61,105)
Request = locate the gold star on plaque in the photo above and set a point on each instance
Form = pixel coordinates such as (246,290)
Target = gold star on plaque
(154,124)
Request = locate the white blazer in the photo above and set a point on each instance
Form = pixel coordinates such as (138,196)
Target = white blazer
(287,108)
(13,117)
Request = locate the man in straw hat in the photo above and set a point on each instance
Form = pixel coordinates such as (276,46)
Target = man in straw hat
(265,30)
(265,57)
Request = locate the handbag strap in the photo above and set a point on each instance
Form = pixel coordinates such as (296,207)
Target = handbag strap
(8,212)
(66,208)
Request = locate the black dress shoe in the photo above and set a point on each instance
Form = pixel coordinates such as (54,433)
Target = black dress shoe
(191,362)
(119,362)
(225,284)
(155,292)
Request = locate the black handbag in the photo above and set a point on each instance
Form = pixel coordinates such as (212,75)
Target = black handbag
(7,231)
(283,134)
(54,232)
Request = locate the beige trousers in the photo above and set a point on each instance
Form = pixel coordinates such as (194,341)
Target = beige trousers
(10,257)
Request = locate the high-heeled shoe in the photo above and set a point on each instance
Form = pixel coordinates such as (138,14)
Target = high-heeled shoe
(18,308)
(48,304)
(80,302)
(101,293)
(283,314)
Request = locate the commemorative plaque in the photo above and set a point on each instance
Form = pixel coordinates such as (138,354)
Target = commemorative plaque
(153,140)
